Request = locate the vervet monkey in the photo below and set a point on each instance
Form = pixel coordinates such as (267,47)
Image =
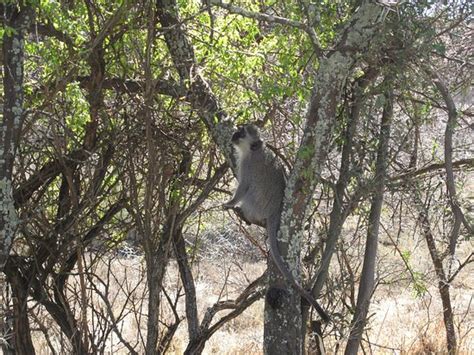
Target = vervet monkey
(259,196)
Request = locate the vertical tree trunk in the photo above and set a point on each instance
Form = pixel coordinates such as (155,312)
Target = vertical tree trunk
(13,114)
(442,275)
(283,326)
(157,245)
(443,285)
(287,337)
(338,213)
(155,256)
(448,162)
(23,344)
(188,284)
(366,285)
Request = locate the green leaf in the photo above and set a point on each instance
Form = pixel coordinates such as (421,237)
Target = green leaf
(439,48)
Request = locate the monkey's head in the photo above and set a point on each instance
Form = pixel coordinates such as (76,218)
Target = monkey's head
(247,138)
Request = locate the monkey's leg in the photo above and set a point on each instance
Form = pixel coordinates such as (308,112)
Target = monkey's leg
(239,194)
(238,211)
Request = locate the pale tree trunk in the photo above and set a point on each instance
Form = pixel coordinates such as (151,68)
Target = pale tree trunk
(339,213)
(341,208)
(199,93)
(458,216)
(283,319)
(16,21)
(443,283)
(367,278)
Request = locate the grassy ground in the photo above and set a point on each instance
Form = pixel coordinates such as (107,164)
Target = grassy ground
(400,320)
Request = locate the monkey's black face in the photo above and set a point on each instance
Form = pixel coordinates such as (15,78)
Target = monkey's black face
(247,137)
(238,135)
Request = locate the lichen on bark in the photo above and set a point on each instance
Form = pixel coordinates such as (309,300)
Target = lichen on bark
(13,114)
(320,119)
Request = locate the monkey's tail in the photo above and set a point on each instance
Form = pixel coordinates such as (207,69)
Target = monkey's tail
(273,224)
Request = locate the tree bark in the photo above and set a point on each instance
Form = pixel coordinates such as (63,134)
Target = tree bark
(285,318)
(448,162)
(339,213)
(22,335)
(443,279)
(188,284)
(200,95)
(367,278)
(443,284)
(18,21)
(13,116)
(155,244)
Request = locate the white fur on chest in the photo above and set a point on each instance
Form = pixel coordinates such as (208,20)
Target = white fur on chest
(241,153)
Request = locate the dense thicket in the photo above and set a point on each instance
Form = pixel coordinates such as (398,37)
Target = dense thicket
(116,128)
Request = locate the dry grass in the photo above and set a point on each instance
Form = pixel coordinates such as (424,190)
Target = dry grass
(400,322)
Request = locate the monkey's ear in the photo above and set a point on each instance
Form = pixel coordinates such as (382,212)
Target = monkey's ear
(256,145)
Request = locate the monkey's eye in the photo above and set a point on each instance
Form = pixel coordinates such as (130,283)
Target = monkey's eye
(241,131)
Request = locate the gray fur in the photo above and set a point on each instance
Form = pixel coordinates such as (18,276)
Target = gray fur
(259,195)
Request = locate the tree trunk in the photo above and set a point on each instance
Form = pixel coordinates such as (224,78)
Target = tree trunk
(448,162)
(333,71)
(13,116)
(23,344)
(188,284)
(367,278)
(155,273)
(199,93)
(443,285)
(283,326)
(156,262)
(338,213)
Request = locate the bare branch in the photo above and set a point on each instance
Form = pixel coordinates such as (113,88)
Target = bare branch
(432,167)
(466,262)
(270,18)
(251,294)
(448,157)
(207,189)
(48,30)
